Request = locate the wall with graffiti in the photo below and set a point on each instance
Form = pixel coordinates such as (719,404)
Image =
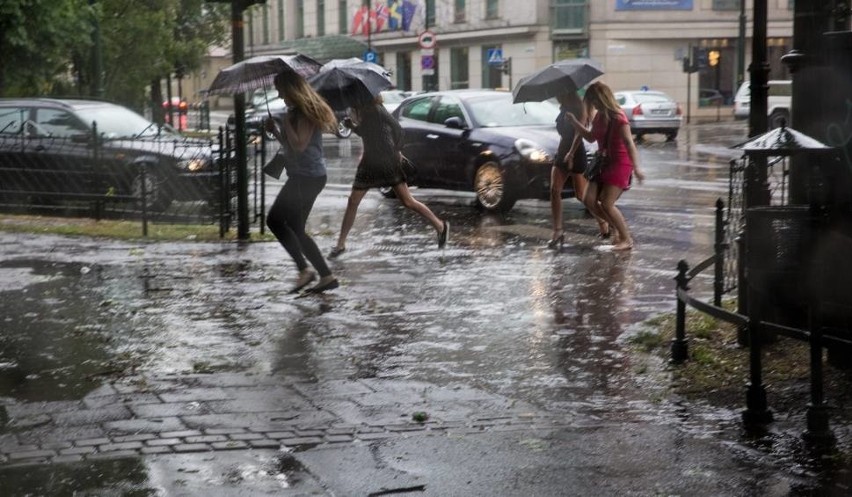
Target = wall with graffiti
(387,15)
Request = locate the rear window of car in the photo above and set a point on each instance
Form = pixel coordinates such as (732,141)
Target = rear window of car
(417,110)
(643,98)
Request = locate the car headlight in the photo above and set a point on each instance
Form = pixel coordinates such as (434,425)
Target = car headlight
(532,151)
(193,165)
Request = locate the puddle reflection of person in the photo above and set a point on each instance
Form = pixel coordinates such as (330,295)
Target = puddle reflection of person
(611,129)
(301,140)
(380,166)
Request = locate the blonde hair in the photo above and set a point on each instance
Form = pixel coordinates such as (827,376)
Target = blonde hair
(300,95)
(600,96)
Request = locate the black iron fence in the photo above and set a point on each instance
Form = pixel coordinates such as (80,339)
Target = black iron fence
(768,267)
(168,178)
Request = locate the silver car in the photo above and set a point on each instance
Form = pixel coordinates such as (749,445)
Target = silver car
(651,112)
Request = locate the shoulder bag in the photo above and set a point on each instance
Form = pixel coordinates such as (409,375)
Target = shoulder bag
(600,160)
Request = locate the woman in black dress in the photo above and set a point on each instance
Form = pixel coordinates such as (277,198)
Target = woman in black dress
(381,166)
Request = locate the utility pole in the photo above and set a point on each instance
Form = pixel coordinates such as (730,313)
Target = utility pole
(238,49)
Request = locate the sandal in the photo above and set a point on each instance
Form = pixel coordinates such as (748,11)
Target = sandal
(306,276)
(336,252)
(322,286)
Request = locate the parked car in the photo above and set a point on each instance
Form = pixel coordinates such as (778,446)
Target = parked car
(778,101)
(651,112)
(392,98)
(74,148)
(479,141)
(264,103)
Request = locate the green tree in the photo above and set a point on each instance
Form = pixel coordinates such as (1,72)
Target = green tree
(37,39)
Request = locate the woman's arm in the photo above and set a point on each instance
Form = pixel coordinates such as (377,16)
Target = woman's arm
(298,136)
(581,128)
(575,143)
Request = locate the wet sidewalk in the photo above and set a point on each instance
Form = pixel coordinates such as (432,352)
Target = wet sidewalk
(494,367)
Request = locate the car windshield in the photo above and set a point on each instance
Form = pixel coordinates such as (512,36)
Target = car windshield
(392,97)
(119,122)
(493,111)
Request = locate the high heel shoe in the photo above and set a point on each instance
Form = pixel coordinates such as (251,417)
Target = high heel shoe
(556,242)
(605,231)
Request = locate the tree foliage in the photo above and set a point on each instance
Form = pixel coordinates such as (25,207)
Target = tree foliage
(53,44)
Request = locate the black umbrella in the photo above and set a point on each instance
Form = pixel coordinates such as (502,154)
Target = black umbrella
(259,72)
(781,142)
(348,83)
(570,74)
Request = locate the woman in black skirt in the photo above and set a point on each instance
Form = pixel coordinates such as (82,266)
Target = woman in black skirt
(570,161)
(381,166)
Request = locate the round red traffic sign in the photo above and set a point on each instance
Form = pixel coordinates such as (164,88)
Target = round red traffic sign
(427,39)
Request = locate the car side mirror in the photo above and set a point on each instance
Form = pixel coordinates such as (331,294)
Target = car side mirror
(454,123)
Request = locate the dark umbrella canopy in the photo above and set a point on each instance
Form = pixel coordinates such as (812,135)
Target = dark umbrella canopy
(259,72)
(550,81)
(347,83)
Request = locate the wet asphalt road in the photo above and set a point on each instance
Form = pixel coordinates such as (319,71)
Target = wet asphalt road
(188,369)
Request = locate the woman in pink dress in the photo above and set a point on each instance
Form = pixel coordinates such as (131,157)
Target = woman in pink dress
(611,130)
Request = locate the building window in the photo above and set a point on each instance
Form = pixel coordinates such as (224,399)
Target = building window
(569,16)
(320,17)
(492,76)
(492,9)
(265,25)
(460,15)
(570,50)
(300,19)
(458,68)
(403,71)
(430,13)
(342,17)
(726,4)
(281,20)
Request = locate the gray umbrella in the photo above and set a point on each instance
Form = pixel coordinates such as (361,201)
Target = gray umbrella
(348,83)
(259,72)
(550,81)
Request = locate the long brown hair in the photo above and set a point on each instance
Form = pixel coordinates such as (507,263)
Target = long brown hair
(600,96)
(300,95)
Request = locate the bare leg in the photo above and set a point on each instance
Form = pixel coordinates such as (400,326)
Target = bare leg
(592,202)
(352,204)
(411,203)
(557,181)
(580,185)
(608,195)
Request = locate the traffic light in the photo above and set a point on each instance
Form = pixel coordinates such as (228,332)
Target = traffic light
(699,57)
(713,57)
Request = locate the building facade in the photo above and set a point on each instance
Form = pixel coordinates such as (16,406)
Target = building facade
(493,43)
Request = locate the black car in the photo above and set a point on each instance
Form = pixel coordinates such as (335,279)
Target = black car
(69,148)
(479,141)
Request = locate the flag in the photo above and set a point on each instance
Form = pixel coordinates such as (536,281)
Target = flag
(379,16)
(409,8)
(361,21)
(394,15)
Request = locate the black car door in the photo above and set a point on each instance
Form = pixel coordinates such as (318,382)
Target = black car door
(61,146)
(418,145)
(451,141)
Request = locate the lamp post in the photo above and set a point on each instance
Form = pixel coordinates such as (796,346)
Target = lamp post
(238,49)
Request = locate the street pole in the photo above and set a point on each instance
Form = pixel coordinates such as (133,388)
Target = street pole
(240,125)
(741,46)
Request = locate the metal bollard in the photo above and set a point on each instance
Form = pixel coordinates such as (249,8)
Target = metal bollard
(680,348)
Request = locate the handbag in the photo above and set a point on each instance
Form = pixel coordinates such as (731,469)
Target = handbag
(600,160)
(275,166)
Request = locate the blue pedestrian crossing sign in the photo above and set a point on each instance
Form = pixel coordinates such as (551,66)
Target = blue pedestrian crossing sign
(371,56)
(494,56)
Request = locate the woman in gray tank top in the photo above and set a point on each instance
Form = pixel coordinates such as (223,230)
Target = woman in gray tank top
(300,136)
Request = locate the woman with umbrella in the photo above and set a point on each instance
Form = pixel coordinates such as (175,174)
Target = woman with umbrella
(301,141)
(611,130)
(381,165)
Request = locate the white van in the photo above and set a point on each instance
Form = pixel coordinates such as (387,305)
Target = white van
(777,102)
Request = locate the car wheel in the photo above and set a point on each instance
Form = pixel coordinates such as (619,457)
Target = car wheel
(670,136)
(387,192)
(156,198)
(778,117)
(343,131)
(491,188)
